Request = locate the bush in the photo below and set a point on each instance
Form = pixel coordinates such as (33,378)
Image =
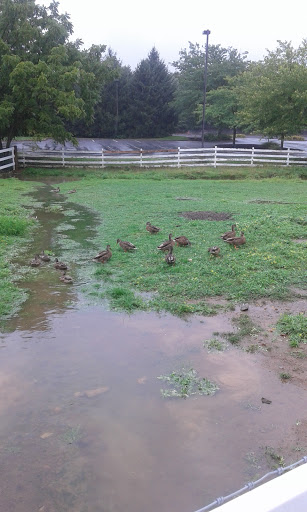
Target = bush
(12,225)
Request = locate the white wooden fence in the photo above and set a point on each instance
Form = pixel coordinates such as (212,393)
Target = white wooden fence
(7,159)
(172,158)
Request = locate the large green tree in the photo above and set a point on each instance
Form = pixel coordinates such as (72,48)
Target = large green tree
(223,63)
(272,94)
(45,80)
(152,91)
(111,117)
(221,109)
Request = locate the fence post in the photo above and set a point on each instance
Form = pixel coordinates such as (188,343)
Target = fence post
(178,157)
(252,157)
(15,159)
(102,158)
(288,157)
(141,157)
(63,158)
(215,155)
(23,157)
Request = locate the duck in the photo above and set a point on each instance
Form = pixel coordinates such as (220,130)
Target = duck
(36,261)
(152,229)
(66,278)
(170,257)
(104,255)
(228,234)
(73,191)
(237,240)
(126,246)
(214,251)
(165,246)
(182,241)
(59,265)
(44,257)
(57,189)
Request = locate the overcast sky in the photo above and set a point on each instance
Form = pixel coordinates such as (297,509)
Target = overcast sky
(132,28)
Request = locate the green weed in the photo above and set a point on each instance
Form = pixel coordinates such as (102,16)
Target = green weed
(294,326)
(186,383)
(214,344)
(285,376)
(124,299)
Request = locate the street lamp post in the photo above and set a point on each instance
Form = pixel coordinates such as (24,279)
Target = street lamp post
(116,106)
(206,33)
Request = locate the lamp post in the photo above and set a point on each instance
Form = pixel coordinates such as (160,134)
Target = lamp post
(116,106)
(206,33)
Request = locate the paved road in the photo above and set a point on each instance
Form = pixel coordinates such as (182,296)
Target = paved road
(146,144)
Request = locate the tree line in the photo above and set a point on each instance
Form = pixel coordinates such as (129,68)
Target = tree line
(51,87)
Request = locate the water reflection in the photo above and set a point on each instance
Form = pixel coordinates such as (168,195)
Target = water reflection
(86,428)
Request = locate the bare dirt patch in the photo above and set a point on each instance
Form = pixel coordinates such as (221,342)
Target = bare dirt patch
(207,215)
(277,354)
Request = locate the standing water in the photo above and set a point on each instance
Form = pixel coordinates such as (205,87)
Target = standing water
(84,427)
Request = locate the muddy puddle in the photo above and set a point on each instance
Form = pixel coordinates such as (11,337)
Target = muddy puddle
(84,427)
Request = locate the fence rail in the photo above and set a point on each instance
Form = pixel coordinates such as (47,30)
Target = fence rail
(7,159)
(172,158)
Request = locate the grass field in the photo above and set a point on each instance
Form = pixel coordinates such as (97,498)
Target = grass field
(271,213)
(15,231)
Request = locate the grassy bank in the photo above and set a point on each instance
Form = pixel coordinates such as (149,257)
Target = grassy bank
(186,173)
(15,230)
(271,212)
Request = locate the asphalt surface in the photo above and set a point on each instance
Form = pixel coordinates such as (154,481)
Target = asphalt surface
(123,145)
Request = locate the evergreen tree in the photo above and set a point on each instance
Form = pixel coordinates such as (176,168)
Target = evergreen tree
(151,113)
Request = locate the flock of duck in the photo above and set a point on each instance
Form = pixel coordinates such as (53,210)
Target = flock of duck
(58,265)
(167,246)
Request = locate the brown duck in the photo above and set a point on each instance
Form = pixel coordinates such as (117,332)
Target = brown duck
(165,246)
(170,257)
(104,255)
(65,278)
(182,241)
(36,261)
(214,251)
(73,191)
(126,246)
(44,257)
(152,229)
(237,240)
(229,234)
(59,265)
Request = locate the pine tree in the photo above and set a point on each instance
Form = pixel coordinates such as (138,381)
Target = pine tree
(152,93)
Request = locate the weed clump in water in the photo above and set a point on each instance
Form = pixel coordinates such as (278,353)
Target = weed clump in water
(186,383)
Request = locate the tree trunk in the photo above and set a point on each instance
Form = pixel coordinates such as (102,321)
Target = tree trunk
(234,135)
(282,138)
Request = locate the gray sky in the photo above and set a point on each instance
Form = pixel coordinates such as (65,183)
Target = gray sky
(132,28)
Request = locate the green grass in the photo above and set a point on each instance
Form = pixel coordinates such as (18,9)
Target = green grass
(185,383)
(185,173)
(271,212)
(15,231)
(294,326)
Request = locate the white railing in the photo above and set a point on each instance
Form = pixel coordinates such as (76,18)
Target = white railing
(7,159)
(172,158)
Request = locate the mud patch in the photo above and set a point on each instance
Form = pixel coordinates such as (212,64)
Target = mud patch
(218,216)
